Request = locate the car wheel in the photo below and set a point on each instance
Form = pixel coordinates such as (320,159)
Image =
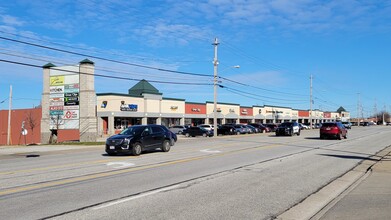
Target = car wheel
(166,146)
(136,149)
(346,136)
(238,132)
(339,136)
(187,135)
(204,135)
(298,133)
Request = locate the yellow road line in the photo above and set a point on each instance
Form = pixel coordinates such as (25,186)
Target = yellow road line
(111,173)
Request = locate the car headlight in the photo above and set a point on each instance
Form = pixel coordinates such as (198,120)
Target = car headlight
(127,141)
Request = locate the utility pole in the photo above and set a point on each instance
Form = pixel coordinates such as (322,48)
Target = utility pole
(215,64)
(311,101)
(9,117)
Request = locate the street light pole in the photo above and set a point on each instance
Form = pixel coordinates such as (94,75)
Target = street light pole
(215,64)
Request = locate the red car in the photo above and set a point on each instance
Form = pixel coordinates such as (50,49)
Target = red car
(333,129)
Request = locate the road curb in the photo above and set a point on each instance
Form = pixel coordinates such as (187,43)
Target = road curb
(319,202)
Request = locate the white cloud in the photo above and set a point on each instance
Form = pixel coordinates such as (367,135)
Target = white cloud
(11,20)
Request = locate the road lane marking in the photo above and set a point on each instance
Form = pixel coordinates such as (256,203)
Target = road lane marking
(119,165)
(136,197)
(123,171)
(210,151)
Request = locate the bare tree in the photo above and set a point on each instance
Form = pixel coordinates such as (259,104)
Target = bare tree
(56,121)
(32,122)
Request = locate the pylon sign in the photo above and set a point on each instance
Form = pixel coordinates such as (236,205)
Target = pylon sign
(64,97)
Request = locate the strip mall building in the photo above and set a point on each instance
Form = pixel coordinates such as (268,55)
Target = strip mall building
(144,104)
(71,107)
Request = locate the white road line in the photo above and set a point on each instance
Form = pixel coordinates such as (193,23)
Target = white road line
(135,197)
(210,151)
(119,165)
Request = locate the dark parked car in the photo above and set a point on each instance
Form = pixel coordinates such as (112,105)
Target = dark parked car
(197,131)
(225,130)
(333,129)
(137,138)
(262,128)
(272,127)
(288,128)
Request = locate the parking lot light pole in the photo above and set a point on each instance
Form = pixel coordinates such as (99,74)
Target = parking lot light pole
(215,64)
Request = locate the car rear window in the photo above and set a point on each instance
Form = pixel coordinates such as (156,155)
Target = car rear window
(329,124)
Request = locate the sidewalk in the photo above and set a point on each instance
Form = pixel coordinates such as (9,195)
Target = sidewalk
(362,193)
(19,149)
(370,199)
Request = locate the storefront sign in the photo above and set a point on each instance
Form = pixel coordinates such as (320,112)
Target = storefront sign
(56,80)
(56,108)
(71,103)
(196,110)
(244,112)
(71,90)
(260,111)
(71,114)
(130,107)
(56,89)
(231,110)
(64,98)
(56,112)
(73,94)
(72,86)
(69,99)
(174,108)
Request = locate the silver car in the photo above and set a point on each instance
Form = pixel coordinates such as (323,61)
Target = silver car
(177,129)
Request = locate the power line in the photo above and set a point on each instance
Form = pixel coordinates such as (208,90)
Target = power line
(257,95)
(104,76)
(102,58)
(269,90)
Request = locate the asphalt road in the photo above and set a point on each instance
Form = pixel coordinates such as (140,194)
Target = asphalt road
(234,177)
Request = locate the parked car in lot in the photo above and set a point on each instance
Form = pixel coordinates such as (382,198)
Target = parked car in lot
(138,138)
(303,126)
(177,129)
(333,129)
(206,126)
(239,129)
(272,127)
(262,128)
(197,131)
(347,124)
(225,130)
(288,128)
(253,129)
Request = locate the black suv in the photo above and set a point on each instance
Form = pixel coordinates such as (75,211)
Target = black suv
(137,138)
(288,128)
(197,131)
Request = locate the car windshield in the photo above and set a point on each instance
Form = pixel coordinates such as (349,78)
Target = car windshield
(328,124)
(133,130)
(286,124)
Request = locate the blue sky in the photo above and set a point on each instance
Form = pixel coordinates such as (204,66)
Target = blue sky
(344,44)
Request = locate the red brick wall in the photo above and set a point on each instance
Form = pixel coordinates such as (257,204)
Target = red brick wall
(32,137)
(17,117)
